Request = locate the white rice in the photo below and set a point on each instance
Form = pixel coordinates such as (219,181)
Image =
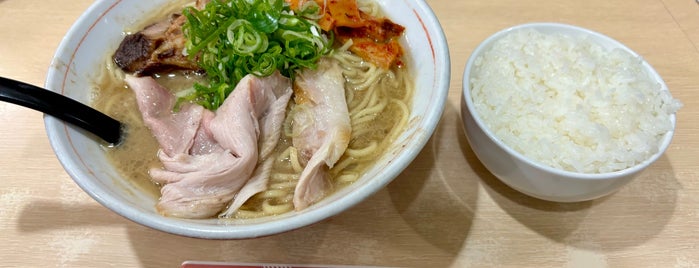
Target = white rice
(568,103)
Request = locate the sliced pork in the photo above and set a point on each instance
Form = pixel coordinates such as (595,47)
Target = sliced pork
(208,157)
(157,48)
(175,132)
(321,128)
(270,129)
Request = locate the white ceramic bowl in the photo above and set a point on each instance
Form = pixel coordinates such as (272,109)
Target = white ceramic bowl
(533,178)
(98,32)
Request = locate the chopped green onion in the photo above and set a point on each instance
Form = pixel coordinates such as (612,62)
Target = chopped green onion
(234,38)
(245,39)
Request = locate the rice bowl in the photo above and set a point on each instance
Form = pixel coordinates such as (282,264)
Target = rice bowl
(558,118)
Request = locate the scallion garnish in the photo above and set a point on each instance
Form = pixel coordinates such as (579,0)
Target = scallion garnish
(233,38)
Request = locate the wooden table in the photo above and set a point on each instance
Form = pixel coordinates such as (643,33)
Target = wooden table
(445,210)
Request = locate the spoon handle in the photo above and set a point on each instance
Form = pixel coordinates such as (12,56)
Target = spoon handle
(61,107)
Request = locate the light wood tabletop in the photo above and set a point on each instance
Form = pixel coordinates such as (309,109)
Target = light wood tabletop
(444,210)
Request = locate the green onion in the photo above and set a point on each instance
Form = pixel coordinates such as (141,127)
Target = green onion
(234,38)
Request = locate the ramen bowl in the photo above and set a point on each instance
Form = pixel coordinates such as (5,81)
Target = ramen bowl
(525,165)
(98,32)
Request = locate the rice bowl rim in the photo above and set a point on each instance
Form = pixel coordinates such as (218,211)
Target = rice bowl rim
(598,38)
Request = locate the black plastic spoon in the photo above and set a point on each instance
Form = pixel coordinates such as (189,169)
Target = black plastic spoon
(61,107)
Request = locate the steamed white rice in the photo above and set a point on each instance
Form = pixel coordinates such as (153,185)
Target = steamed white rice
(568,103)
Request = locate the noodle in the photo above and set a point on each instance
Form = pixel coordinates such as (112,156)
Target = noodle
(270,209)
(363,152)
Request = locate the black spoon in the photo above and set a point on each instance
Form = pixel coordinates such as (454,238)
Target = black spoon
(61,107)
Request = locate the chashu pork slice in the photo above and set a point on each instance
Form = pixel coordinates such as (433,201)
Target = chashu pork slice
(204,170)
(322,128)
(175,132)
(157,48)
(270,126)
